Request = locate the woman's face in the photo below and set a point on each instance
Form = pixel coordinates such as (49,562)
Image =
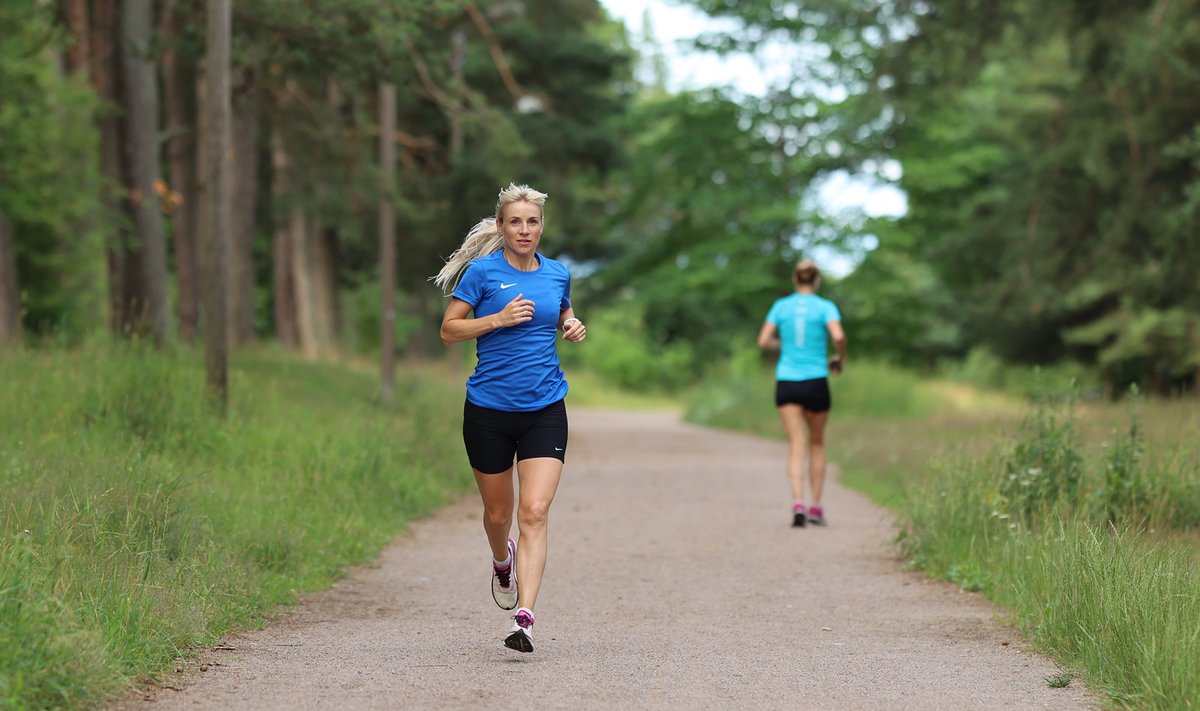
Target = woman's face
(521,225)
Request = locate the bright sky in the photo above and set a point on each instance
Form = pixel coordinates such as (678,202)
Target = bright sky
(673,23)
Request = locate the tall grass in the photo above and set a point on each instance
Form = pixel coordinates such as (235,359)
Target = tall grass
(1079,519)
(1093,548)
(135,524)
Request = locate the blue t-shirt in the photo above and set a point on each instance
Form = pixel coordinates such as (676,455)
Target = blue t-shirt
(518,368)
(801,320)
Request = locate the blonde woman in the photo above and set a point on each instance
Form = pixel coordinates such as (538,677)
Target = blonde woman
(800,326)
(514,407)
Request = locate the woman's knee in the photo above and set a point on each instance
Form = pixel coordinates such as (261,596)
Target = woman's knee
(497,515)
(534,514)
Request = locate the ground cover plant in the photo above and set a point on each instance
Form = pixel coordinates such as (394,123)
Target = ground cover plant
(135,524)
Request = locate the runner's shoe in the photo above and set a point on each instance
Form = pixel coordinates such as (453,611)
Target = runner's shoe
(521,637)
(798,516)
(504,580)
(816,516)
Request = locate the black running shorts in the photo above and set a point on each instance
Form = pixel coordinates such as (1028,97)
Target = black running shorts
(493,437)
(812,395)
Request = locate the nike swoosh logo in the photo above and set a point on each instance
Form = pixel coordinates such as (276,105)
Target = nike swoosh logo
(505,286)
(558,449)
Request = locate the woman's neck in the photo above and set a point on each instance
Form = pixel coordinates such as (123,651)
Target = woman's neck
(526,265)
(806,289)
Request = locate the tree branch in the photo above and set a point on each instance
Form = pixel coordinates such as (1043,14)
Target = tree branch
(506,75)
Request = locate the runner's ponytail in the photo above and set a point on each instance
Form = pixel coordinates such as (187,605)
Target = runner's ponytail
(483,239)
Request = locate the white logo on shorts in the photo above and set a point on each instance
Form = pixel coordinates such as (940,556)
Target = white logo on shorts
(558,449)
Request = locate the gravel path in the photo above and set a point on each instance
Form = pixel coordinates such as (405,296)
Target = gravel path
(674,581)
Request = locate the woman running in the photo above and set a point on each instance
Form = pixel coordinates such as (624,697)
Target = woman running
(514,404)
(800,326)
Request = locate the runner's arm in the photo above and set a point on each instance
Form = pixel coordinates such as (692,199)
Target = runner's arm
(768,337)
(839,342)
(456,327)
(572,328)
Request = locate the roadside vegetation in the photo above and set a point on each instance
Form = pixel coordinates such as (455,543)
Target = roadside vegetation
(1079,517)
(135,524)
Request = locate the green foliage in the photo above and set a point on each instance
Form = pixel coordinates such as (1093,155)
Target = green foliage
(701,255)
(1124,491)
(362,317)
(1044,467)
(49,175)
(135,524)
(619,350)
(1049,157)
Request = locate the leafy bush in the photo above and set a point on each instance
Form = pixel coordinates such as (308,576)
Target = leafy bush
(619,350)
(1045,465)
(983,369)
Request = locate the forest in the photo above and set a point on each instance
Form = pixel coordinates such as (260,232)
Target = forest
(289,171)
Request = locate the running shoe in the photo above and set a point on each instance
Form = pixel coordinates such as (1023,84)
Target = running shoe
(798,516)
(504,580)
(521,637)
(816,516)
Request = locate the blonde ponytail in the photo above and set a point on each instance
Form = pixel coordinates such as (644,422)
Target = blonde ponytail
(484,238)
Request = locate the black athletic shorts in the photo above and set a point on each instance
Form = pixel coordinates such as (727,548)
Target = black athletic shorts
(493,437)
(812,395)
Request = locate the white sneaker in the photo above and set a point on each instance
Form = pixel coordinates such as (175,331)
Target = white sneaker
(504,582)
(521,637)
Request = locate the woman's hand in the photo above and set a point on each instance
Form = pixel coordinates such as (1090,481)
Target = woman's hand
(835,365)
(574,330)
(515,312)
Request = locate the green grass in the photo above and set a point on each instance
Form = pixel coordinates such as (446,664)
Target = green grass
(136,525)
(1080,522)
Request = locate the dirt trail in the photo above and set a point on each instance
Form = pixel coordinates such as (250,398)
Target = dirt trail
(674,581)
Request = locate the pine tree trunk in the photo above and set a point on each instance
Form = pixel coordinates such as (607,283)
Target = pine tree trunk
(179,80)
(302,271)
(79,48)
(141,167)
(245,209)
(103,72)
(215,126)
(327,305)
(10,293)
(287,327)
(387,242)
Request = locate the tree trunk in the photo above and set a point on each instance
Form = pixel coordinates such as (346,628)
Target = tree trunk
(327,305)
(302,271)
(10,293)
(387,242)
(103,71)
(140,125)
(79,48)
(245,209)
(215,127)
(287,326)
(179,78)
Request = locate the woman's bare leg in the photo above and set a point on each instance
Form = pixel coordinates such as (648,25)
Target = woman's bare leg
(539,478)
(497,493)
(816,452)
(793,426)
